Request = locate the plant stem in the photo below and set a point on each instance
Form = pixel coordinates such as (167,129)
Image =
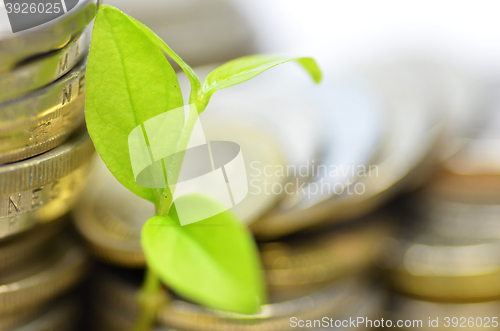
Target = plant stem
(150,299)
(150,292)
(167,197)
(151,289)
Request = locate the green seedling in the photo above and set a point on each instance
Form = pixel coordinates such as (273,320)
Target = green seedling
(214,262)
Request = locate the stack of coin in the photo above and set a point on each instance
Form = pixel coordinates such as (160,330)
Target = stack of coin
(44,161)
(308,276)
(305,271)
(110,217)
(445,263)
(305,282)
(388,145)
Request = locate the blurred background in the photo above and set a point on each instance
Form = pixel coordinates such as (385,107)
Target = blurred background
(404,225)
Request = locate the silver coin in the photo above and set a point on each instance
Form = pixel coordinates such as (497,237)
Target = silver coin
(42,71)
(278,106)
(113,231)
(463,199)
(280,103)
(414,129)
(464,97)
(50,36)
(45,187)
(42,119)
(18,115)
(353,132)
(458,219)
(259,150)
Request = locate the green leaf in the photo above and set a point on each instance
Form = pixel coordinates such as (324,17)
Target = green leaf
(244,68)
(129,81)
(193,78)
(213,262)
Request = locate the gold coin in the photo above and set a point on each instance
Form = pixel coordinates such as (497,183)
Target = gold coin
(61,316)
(18,249)
(43,188)
(61,268)
(456,269)
(118,290)
(444,316)
(473,174)
(11,321)
(470,176)
(108,319)
(342,300)
(351,297)
(44,70)
(311,261)
(43,119)
(110,218)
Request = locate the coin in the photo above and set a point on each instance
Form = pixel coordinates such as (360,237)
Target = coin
(259,151)
(309,261)
(111,218)
(347,298)
(443,268)
(18,249)
(63,266)
(41,71)
(473,174)
(15,48)
(43,188)
(463,199)
(11,321)
(338,301)
(447,314)
(353,139)
(43,119)
(409,154)
(280,105)
(106,319)
(456,219)
(63,315)
(462,94)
